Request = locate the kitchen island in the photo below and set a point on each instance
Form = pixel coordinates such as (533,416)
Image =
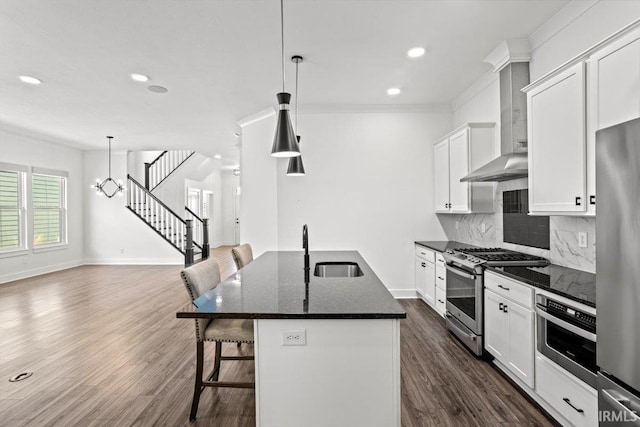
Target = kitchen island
(327,349)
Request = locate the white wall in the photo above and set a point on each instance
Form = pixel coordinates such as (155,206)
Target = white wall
(112,233)
(45,152)
(258,180)
(368,187)
(575,30)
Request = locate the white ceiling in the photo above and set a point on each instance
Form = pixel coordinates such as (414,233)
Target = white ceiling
(220,60)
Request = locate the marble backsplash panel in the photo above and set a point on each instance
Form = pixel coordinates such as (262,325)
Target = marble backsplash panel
(564,230)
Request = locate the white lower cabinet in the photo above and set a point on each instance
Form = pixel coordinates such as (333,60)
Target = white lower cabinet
(441,301)
(509,331)
(573,399)
(425,275)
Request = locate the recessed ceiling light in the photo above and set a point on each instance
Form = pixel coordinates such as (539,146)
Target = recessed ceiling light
(139,77)
(31,80)
(157,89)
(415,52)
(393,91)
(217,157)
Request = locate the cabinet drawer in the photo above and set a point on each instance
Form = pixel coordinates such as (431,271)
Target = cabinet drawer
(441,277)
(573,399)
(439,259)
(425,253)
(441,301)
(510,289)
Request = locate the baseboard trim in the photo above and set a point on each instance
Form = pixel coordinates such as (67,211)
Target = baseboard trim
(38,271)
(403,293)
(134,261)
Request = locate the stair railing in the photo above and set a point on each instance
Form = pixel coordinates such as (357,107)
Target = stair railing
(156,214)
(200,231)
(163,166)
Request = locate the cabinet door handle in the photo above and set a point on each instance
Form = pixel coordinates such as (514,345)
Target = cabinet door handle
(503,287)
(500,306)
(440,301)
(568,402)
(592,200)
(504,308)
(578,201)
(423,264)
(441,278)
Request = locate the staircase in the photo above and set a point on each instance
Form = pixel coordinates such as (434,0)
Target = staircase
(190,236)
(163,166)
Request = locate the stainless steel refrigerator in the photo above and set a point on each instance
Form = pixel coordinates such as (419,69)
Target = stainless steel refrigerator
(618,273)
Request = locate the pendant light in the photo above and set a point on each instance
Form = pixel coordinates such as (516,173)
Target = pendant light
(284,142)
(108,187)
(296,168)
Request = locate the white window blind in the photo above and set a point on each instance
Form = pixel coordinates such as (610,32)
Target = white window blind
(49,209)
(11,215)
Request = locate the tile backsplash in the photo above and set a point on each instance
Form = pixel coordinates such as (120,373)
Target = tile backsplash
(564,249)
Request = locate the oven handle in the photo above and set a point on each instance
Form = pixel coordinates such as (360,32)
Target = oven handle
(459,272)
(454,323)
(541,311)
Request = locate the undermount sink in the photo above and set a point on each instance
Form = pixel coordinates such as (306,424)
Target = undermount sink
(337,269)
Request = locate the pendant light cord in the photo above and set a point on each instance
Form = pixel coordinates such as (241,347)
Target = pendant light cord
(282,38)
(109,156)
(297,63)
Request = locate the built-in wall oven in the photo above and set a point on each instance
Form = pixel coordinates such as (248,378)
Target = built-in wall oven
(567,336)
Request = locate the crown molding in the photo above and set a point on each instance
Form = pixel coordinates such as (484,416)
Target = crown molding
(476,87)
(373,108)
(253,118)
(514,50)
(40,136)
(559,21)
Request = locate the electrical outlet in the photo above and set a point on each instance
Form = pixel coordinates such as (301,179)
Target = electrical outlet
(121,251)
(582,239)
(457,224)
(483,227)
(294,337)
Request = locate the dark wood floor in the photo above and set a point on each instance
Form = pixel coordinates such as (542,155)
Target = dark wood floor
(106,350)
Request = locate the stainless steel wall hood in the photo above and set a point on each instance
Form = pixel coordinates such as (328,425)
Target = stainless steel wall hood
(513,162)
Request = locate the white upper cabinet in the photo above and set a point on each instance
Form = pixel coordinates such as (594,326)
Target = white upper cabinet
(441,175)
(597,89)
(463,150)
(614,94)
(458,168)
(557,144)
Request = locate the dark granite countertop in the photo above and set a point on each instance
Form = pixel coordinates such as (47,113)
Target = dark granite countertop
(272,287)
(574,284)
(443,245)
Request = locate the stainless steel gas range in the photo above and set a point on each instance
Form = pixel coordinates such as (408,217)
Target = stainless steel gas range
(465,283)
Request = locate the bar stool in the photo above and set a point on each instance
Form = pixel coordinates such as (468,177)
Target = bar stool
(198,279)
(242,255)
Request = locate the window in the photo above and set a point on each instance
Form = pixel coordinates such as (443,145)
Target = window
(12,208)
(48,193)
(12,211)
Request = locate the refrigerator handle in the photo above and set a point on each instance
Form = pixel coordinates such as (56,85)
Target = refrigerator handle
(619,404)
